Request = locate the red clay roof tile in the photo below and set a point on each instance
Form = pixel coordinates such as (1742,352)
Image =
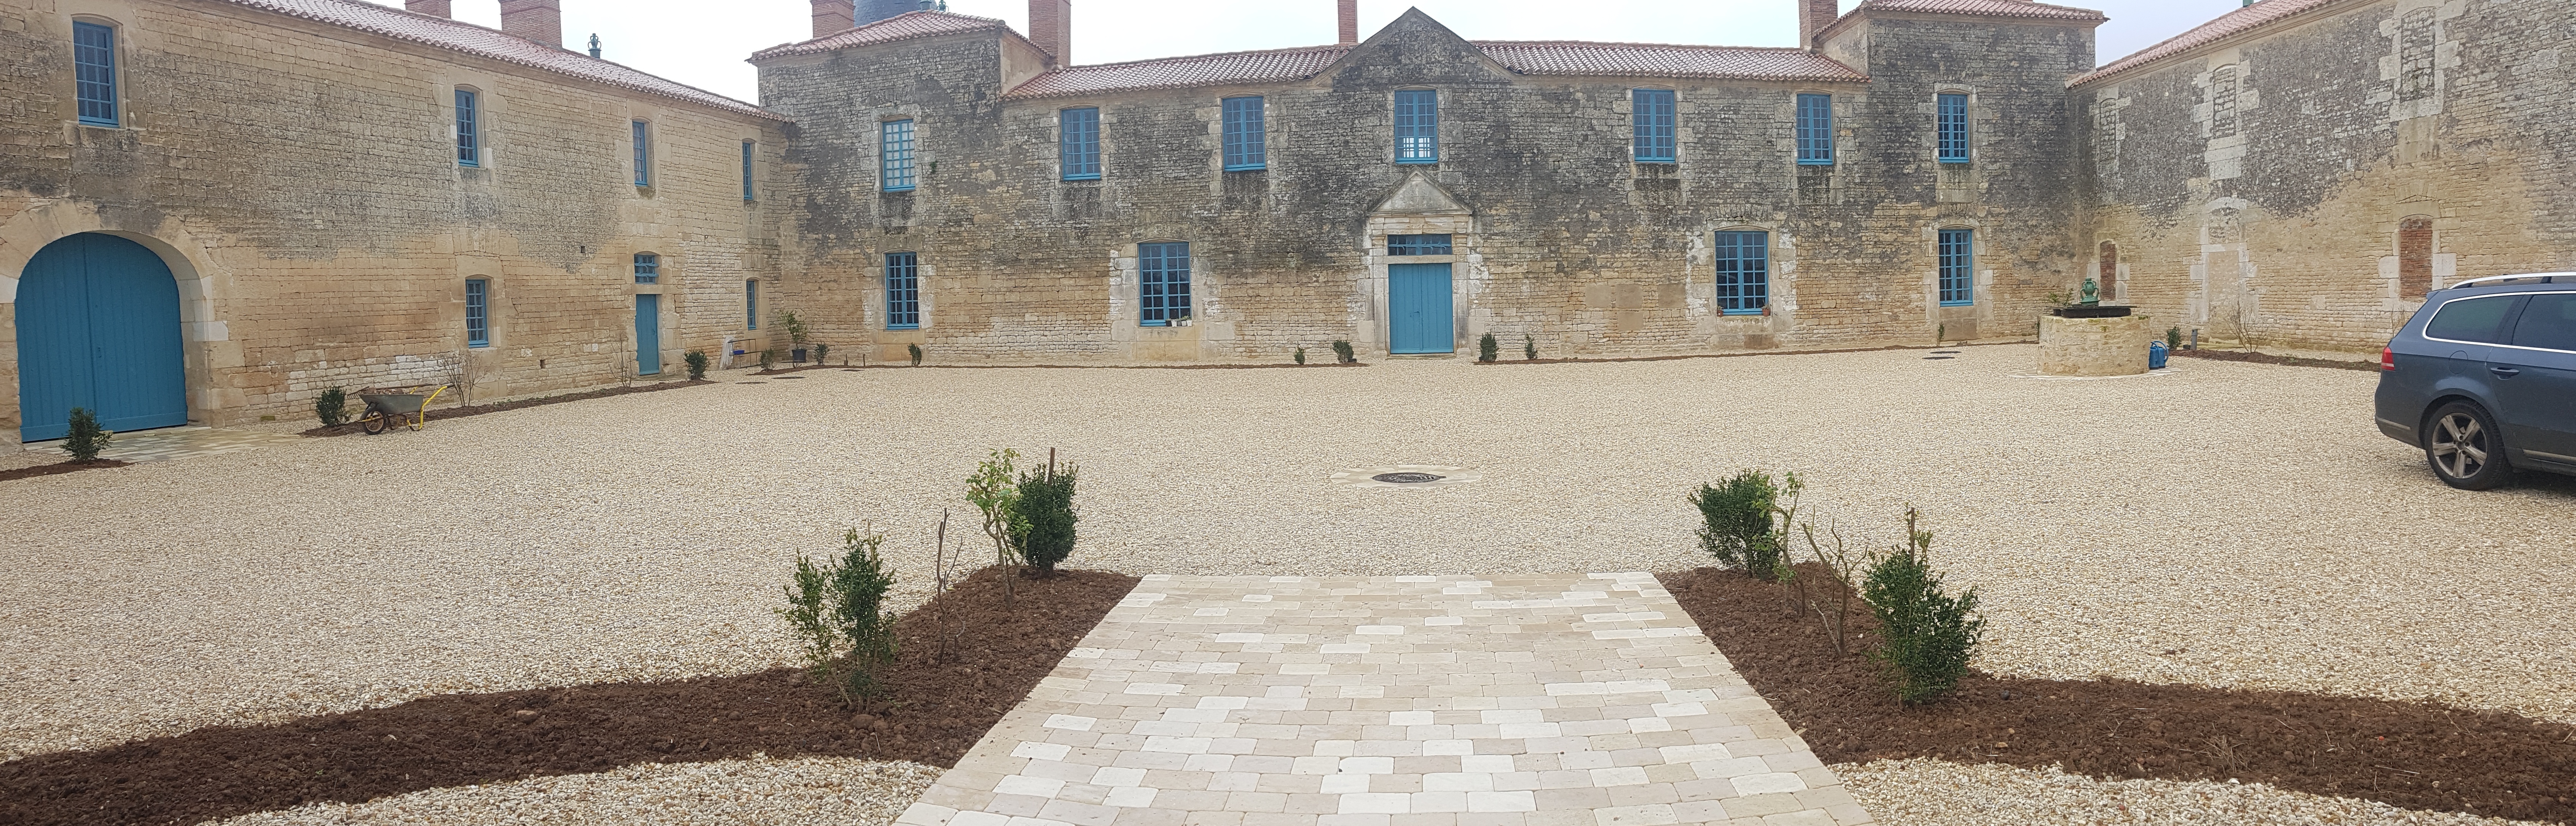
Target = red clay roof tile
(905,26)
(2232,23)
(1563,57)
(1990,8)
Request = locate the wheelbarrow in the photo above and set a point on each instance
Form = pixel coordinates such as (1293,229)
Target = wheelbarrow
(392,407)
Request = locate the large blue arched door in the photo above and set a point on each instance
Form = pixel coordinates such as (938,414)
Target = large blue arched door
(98,328)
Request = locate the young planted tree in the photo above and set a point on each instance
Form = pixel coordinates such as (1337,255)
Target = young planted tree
(1486,348)
(86,438)
(1529,348)
(1926,635)
(995,492)
(332,407)
(1301,355)
(1740,520)
(697,360)
(1832,607)
(1342,350)
(837,610)
(916,354)
(1043,516)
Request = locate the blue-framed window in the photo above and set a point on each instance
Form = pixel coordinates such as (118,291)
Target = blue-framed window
(896,152)
(1654,120)
(1165,286)
(478,312)
(1078,133)
(1244,135)
(1417,245)
(643,153)
(751,305)
(1743,272)
(469,137)
(1417,126)
(903,291)
(747,146)
(94,70)
(1958,267)
(648,268)
(1954,128)
(1815,129)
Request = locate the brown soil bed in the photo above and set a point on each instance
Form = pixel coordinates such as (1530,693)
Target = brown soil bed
(1747,353)
(935,709)
(437,413)
(2414,755)
(2267,358)
(65,466)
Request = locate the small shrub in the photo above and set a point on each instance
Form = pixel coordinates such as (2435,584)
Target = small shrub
(697,360)
(1301,355)
(1042,521)
(992,490)
(1741,525)
(1342,350)
(837,611)
(86,438)
(1485,348)
(1926,635)
(768,356)
(1529,348)
(916,354)
(332,406)
(795,328)
(2173,338)
(821,350)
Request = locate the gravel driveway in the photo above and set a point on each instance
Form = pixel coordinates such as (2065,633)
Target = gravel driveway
(2224,524)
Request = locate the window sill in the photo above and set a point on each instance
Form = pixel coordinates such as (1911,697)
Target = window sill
(1954,162)
(1081,177)
(1755,311)
(1959,303)
(899,327)
(1659,162)
(645,283)
(1803,162)
(102,124)
(892,190)
(1409,162)
(1247,168)
(483,346)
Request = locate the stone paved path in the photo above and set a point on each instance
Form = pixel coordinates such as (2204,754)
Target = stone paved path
(165,444)
(1569,700)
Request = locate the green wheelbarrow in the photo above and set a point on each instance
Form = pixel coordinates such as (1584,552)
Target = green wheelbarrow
(392,407)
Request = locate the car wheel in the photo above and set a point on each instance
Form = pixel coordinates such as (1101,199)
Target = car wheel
(2465,449)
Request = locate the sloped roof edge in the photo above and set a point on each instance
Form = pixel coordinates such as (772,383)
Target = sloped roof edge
(911,25)
(2261,18)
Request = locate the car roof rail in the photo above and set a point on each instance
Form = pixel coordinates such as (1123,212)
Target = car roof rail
(2545,278)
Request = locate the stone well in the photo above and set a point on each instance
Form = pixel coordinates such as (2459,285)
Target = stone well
(2092,346)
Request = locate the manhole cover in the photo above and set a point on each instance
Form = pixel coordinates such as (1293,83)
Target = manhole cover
(1402,478)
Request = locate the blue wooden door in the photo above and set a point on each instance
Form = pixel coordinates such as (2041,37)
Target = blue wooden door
(98,328)
(1417,301)
(648,335)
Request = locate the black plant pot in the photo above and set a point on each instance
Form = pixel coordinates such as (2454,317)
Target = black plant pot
(796,355)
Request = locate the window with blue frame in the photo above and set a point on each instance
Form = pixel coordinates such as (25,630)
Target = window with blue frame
(1815,129)
(643,154)
(751,305)
(1244,135)
(1079,136)
(1958,267)
(1417,245)
(1417,126)
(94,72)
(469,138)
(896,153)
(1743,261)
(1165,282)
(648,268)
(478,313)
(1653,111)
(1954,128)
(903,291)
(746,169)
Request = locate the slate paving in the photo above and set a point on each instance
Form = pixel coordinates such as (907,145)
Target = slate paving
(1565,700)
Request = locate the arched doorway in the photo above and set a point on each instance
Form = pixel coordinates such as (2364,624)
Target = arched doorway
(98,328)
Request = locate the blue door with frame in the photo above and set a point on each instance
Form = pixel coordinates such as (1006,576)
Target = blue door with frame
(648,335)
(98,329)
(1418,307)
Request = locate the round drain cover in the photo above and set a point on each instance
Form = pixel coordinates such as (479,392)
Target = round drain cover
(1406,477)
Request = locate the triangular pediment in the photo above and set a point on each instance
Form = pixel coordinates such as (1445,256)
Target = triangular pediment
(1419,196)
(1400,52)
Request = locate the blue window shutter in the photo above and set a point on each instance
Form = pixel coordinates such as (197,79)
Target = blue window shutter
(478,313)
(648,268)
(1080,143)
(1654,118)
(1244,135)
(643,155)
(1815,129)
(1958,267)
(94,72)
(1417,126)
(468,140)
(903,291)
(746,169)
(897,152)
(1743,267)
(1164,283)
(1954,128)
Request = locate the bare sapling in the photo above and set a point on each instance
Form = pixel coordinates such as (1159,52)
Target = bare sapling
(1842,568)
(994,490)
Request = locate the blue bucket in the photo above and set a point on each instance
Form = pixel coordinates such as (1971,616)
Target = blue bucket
(2156,355)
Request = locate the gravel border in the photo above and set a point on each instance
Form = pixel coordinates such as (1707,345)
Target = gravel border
(1927,792)
(821,791)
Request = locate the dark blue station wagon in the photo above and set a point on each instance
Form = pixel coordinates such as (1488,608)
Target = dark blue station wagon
(2483,378)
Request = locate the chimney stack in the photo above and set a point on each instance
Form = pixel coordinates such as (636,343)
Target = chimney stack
(431,7)
(833,16)
(1813,17)
(1051,27)
(1350,22)
(538,20)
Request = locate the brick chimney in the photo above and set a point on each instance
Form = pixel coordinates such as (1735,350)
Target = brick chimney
(1813,17)
(1350,22)
(538,20)
(430,7)
(833,16)
(1051,27)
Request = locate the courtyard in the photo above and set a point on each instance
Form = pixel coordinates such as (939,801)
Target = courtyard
(2219,524)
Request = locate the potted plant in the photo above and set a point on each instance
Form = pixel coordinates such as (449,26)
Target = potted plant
(796,335)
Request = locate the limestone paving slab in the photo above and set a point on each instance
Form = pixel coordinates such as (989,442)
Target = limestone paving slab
(1557,700)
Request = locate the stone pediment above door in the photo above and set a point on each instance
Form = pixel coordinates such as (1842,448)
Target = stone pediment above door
(1419,196)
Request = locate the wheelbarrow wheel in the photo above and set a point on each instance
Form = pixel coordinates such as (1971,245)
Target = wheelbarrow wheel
(375,422)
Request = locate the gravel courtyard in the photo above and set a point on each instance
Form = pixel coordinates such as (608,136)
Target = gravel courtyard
(2222,524)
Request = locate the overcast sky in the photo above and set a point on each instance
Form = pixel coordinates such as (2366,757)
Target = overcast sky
(703,43)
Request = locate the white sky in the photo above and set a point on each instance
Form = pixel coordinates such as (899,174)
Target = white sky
(703,44)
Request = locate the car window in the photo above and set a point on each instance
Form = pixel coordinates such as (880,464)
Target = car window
(2471,319)
(2548,322)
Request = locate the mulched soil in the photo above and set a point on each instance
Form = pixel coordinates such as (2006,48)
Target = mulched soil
(2267,358)
(65,466)
(2414,755)
(437,413)
(1742,354)
(935,709)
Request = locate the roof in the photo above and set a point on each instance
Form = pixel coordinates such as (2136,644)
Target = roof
(2227,25)
(1555,57)
(905,26)
(1988,8)
(492,43)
